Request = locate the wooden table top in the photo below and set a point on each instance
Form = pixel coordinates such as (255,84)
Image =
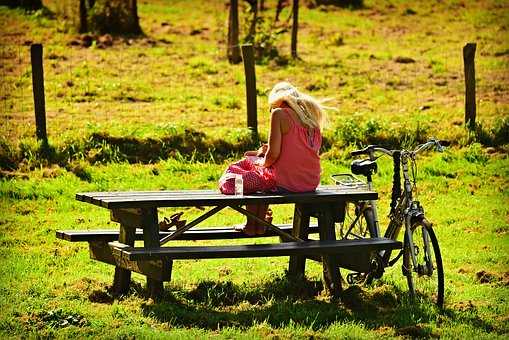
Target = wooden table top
(183,198)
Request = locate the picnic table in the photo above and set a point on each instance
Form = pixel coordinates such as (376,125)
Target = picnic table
(137,215)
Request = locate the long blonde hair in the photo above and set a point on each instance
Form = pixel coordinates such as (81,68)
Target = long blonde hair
(309,109)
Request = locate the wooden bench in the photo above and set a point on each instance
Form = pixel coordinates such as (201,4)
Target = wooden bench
(216,233)
(136,212)
(308,248)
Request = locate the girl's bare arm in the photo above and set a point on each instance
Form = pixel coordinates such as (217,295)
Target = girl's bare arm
(274,148)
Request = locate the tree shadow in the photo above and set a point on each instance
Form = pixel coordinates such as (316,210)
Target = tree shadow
(284,301)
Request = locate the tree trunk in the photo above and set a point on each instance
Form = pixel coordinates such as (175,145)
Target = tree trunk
(233,51)
(113,16)
(134,13)
(262,6)
(83,21)
(295,27)
(279,9)
(252,27)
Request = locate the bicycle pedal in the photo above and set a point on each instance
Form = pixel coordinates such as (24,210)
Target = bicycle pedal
(355,278)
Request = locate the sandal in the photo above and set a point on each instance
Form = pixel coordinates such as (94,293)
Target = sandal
(173,221)
(268,215)
(260,230)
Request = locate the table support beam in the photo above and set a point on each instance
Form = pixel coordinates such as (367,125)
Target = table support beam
(297,265)
(122,279)
(331,273)
(150,225)
(188,226)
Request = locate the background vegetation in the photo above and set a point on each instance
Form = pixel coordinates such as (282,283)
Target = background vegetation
(166,110)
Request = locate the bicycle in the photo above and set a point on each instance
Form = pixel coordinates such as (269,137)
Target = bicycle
(422,260)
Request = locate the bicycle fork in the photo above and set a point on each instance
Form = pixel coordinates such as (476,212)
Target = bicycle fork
(420,269)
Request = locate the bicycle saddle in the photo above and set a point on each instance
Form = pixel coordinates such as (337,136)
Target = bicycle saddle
(363,167)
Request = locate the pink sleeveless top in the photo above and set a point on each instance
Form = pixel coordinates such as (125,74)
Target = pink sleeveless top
(298,167)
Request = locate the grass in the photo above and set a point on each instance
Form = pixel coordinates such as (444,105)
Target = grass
(249,297)
(166,111)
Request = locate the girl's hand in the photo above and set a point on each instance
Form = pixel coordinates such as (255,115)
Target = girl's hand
(262,150)
(251,153)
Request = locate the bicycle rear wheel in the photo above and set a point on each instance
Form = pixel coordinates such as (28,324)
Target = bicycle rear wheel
(359,221)
(425,278)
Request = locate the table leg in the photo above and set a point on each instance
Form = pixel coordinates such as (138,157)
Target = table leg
(331,274)
(122,278)
(151,240)
(297,265)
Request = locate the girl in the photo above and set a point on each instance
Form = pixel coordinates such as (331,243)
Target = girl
(290,161)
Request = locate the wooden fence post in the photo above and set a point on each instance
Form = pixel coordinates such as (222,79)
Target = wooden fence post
(295,28)
(249,69)
(469,66)
(38,89)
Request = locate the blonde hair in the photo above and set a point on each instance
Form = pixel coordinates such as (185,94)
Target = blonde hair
(309,109)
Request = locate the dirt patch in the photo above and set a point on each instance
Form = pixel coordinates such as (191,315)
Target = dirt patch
(486,277)
(502,230)
(417,331)
(384,331)
(13,175)
(380,299)
(57,318)
(101,296)
(463,271)
(464,306)
(404,60)
(505,279)
(384,298)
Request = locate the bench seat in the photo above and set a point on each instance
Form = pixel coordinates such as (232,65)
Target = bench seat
(190,235)
(350,247)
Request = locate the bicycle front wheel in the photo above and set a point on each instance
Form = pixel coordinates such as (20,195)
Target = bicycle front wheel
(425,275)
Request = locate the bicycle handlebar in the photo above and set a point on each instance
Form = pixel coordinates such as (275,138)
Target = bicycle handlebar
(375,148)
(369,149)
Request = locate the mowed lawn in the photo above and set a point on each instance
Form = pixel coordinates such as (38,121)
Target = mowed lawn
(175,80)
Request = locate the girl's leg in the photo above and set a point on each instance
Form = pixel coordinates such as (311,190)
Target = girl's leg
(251,225)
(262,213)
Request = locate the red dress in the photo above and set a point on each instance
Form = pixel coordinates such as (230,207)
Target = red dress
(297,169)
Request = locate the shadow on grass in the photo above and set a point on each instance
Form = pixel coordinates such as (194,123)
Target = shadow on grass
(284,301)
(98,148)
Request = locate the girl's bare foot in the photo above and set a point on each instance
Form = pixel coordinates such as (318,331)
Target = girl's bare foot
(248,230)
(267,216)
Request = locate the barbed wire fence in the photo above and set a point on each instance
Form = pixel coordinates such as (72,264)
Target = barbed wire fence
(74,94)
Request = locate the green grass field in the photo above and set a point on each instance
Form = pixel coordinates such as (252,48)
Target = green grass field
(167,111)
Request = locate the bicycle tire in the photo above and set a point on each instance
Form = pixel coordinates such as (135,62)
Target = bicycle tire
(420,283)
